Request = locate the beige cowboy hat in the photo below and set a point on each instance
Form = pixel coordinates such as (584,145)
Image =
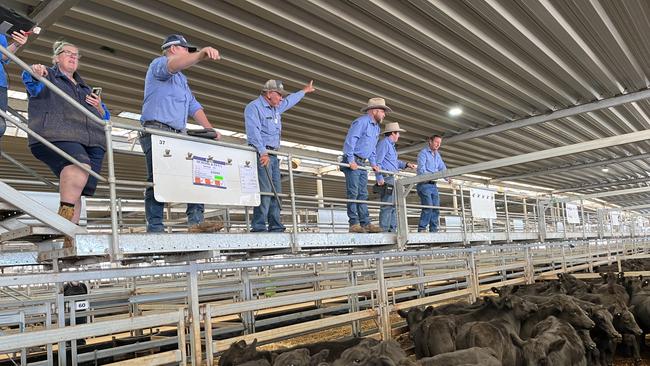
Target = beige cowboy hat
(374,103)
(393,127)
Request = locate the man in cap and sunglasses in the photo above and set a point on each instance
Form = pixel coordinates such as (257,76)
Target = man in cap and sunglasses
(388,161)
(358,151)
(168,101)
(263,122)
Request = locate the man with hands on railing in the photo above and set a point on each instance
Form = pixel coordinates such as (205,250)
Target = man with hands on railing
(19,39)
(263,123)
(388,161)
(359,150)
(168,101)
(67,128)
(430,161)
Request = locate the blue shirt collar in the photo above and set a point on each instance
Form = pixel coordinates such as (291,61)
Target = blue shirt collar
(265,102)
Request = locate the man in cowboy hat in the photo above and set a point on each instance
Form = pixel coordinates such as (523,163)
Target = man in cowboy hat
(430,161)
(168,101)
(359,150)
(387,159)
(263,122)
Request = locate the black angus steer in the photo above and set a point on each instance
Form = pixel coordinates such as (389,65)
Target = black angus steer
(554,342)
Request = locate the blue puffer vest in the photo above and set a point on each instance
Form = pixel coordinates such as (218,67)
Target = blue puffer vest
(57,120)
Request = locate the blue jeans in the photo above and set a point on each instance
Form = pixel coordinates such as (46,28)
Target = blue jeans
(154,209)
(428,197)
(269,208)
(387,214)
(356,188)
(3,107)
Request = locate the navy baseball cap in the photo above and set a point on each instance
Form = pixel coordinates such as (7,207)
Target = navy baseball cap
(177,40)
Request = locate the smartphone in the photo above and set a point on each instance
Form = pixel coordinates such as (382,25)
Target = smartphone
(97,91)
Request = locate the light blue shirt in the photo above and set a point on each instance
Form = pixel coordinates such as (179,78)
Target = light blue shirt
(3,74)
(362,140)
(264,123)
(430,161)
(167,96)
(387,157)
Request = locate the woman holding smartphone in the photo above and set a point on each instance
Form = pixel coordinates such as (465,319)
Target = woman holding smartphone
(66,127)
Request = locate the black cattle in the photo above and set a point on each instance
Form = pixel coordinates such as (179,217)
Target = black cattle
(572,285)
(554,342)
(465,357)
(494,335)
(386,353)
(300,357)
(561,306)
(437,334)
(261,362)
(239,353)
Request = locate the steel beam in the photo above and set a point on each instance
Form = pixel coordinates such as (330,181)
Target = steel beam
(534,120)
(571,167)
(38,211)
(604,194)
(534,156)
(602,185)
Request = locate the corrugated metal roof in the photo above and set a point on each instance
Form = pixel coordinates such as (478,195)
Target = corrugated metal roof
(500,61)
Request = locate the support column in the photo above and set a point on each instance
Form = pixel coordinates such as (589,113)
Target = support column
(195,319)
(320,192)
(505,202)
(383,306)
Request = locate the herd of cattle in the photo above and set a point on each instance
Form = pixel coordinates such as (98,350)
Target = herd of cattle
(564,322)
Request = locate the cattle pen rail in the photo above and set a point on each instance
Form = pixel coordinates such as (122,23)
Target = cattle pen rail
(341,290)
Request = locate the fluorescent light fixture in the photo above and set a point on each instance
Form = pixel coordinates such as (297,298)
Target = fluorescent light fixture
(605,169)
(455,111)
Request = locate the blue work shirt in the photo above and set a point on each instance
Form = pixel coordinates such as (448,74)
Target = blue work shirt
(264,123)
(3,74)
(362,140)
(167,96)
(387,157)
(429,161)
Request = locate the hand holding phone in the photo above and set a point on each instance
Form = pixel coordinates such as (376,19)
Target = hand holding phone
(97,91)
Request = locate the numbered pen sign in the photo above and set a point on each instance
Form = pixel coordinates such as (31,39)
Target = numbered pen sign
(572,214)
(188,171)
(482,203)
(81,305)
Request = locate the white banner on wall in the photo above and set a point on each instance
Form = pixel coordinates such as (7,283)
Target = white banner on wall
(572,214)
(482,203)
(614,217)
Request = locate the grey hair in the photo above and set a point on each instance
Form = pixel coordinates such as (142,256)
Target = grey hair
(57,48)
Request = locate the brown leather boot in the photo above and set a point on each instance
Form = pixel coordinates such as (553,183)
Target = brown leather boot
(67,212)
(206,227)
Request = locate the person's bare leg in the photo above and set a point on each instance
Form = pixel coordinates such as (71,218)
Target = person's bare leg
(71,184)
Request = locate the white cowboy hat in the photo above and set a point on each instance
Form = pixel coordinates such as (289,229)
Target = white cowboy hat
(374,103)
(393,127)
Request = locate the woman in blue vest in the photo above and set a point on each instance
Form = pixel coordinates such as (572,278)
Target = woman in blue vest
(66,127)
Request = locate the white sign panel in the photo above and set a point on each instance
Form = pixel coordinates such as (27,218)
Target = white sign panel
(482,203)
(332,220)
(187,171)
(572,214)
(81,305)
(614,217)
(453,223)
(518,225)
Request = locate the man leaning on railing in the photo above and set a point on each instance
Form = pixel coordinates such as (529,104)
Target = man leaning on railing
(358,151)
(430,161)
(67,128)
(168,101)
(388,161)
